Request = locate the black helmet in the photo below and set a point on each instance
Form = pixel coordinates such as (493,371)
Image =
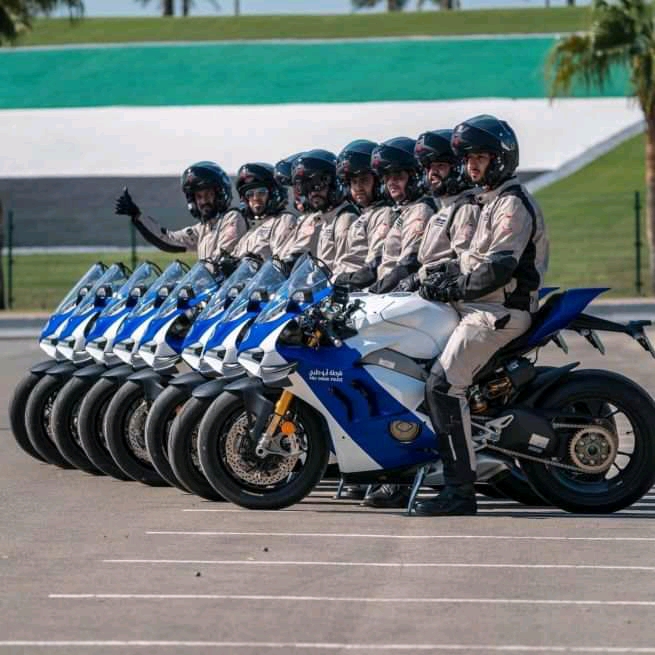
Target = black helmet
(398,155)
(316,167)
(488,134)
(283,169)
(433,147)
(259,174)
(355,159)
(206,175)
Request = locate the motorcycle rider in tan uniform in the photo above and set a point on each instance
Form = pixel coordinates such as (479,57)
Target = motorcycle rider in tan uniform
(447,235)
(208,192)
(493,286)
(368,232)
(264,203)
(323,229)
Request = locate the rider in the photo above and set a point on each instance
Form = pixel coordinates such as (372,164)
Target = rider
(493,286)
(283,170)
(208,192)
(322,230)
(367,233)
(264,203)
(447,235)
(394,162)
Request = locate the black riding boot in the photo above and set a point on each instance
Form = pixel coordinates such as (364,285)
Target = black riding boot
(458,496)
(394,496)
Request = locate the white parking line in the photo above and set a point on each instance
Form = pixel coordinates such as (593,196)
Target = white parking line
(358,599)
(485,648)
(389,565)
(348,535)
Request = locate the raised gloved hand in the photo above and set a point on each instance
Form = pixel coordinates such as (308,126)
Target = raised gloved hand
(125,206)
(441,287)
(409,283)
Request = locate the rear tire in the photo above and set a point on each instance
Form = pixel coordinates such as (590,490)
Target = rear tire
(124,427)
(166,407)
(224,426)
(17,414)
(90,427)
(64,423)
(37,419)
(509,485)
(183,449)
(621,485)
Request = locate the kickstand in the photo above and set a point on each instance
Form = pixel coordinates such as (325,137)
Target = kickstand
(418,481)
(342,483)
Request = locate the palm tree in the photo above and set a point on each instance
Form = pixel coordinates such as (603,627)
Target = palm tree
(392,5)
(16,16)
(168,6)
(621,34)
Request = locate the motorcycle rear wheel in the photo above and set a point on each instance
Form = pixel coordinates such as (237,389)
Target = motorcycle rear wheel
(628,412)
(226,456)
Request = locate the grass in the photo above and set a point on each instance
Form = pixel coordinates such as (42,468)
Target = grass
(591,222)
(202,28)
(589,215)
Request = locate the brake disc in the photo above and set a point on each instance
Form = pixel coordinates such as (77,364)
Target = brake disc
(136,430)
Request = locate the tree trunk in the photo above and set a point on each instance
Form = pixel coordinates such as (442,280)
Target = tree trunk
(393,5)
(446,4)
(570,3)
(237,8)
(2,245)
(650,196)
(186,7)
(168,7)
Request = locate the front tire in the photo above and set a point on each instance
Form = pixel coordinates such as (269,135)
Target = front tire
(166,407)
(17,414)
(183,449)
(124,428)
(273,482)
(37,419)
(621,436)
(64,423)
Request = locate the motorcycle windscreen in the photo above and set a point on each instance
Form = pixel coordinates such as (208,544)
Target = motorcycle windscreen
(161,288)
(136,286)
(199,279)
(104,289)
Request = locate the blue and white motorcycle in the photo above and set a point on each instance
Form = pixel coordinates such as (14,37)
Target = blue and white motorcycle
(122,361)
(99,339)
(48,343)
(160,348)
(70,342)
(350,373)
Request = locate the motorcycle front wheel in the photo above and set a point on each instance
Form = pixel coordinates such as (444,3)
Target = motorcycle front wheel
(17,414)
(606,427)
(274,481)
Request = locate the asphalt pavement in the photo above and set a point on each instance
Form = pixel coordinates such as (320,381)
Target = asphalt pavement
(93,565)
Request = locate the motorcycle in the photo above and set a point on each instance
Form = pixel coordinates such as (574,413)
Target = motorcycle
(352,371)
(48,343)
(70,349)
(168,404)
(123,363)
(160,348)
(99,343)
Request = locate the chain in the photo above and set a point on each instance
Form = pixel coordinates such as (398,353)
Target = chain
(540,460)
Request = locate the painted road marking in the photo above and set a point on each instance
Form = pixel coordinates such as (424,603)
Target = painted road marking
(383,565)
(347,535)
(358,599)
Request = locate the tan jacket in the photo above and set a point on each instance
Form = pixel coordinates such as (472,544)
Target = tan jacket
(404,237)
(209,239)
(366,237)
(323,234)
(266,235)
(510,229)
(449,231)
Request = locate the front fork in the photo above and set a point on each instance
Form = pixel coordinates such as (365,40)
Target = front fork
(263,447)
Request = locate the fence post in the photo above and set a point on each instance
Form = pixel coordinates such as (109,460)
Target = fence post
(638,283)
(133,244)
(10,259)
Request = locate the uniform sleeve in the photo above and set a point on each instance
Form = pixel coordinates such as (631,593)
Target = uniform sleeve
(463,227)
(378,230)
(512,228)
(412,231)
(166,240)
(232,228)
(341,229)
(303,239)
(282,231)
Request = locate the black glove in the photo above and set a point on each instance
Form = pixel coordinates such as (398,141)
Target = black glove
(441,287)
(357,280)
(227,264)
(409,283)
(125,206)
